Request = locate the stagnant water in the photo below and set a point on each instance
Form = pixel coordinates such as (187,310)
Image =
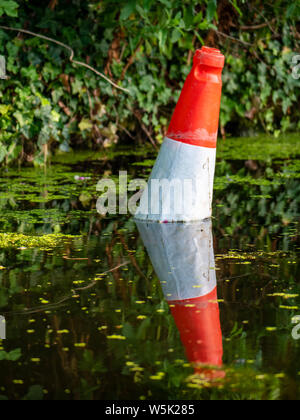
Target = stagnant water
(86,316)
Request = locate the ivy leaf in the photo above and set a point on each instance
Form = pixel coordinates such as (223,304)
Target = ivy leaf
(211,10)
(176,35)
(234,3)
(293,10)
(3,153)
(12,356)
(35,393)
(20,118)
(166,3)
(9,8)
(85,125)
(4,109)
(128,331)
(127,10)
(188,17)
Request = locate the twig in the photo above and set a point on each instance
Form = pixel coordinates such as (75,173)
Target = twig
(266,20)
(190,54)
(126,131)
(146,131)
(75,259)
(65,108)
(133,260)
(131,60)
(53,4)
(71,51)
(143,127)
(246,44)
(259,26)
(100,275)
(65,298)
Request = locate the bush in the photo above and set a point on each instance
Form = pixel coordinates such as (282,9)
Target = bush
(146,46)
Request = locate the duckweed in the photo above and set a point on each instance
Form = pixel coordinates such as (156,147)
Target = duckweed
(44,242)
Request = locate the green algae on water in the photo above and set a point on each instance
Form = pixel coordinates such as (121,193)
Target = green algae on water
(263,148)
(44,242)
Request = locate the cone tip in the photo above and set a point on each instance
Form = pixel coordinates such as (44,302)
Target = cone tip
(210,57)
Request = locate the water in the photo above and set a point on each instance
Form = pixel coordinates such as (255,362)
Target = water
(86,316)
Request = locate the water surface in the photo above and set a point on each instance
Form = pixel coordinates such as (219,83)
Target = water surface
(85,310)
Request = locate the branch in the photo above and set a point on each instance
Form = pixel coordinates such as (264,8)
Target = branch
(54,305)
(53,4)
(144,128)
(260,25)
(246,44)
(100,275)
(254,27)
(131,59)
(71,51)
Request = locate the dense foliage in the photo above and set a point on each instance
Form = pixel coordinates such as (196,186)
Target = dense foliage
(146,46)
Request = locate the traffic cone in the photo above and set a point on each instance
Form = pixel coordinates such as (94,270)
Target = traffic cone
(183,258)
(180,187)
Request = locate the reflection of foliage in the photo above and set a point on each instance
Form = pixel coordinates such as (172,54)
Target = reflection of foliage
(82,339)
(12,356)
(86,333)
(258,185)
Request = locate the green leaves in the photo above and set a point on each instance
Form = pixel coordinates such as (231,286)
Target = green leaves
(146,46)
(35,393)
(293,11)
(211,10)
(85,124)
(8,7)
(12,356)
(234,3)
(176,35)
(166,3)
(3,152)
(127,10)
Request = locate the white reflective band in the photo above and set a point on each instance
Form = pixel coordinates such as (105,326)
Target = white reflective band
(182,256)
(180,187)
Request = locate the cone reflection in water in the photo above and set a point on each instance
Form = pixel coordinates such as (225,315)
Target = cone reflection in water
(183,258)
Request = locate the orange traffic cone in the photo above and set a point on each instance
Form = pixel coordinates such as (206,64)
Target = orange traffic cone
(180,187)
(183,258)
